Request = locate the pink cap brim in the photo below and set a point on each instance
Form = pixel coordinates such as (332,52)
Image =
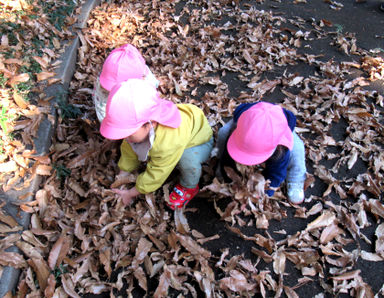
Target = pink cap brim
(110,131)
(163,112)
(240,155)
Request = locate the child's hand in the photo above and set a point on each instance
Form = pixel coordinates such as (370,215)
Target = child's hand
(127,195)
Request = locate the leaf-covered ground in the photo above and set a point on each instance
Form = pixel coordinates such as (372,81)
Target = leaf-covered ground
(33,37)
(231,241)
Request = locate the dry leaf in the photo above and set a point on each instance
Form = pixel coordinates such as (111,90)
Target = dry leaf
(41,76)
(325,219)
(58,252)
(20,101)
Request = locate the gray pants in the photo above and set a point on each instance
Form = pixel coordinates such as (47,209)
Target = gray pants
(191,161)
(296,171)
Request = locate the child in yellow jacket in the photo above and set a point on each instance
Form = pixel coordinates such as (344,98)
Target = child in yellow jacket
(160,132)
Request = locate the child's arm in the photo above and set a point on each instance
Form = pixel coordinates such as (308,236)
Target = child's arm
(276,171)
(224,159)
(127,163)
(222,137)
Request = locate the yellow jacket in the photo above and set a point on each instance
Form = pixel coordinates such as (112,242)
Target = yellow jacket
(167,148)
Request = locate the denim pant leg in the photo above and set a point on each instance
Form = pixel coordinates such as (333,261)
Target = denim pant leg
(190,163)
(296,171)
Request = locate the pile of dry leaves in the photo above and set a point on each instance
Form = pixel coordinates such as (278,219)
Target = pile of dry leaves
(82,240)
(29,51)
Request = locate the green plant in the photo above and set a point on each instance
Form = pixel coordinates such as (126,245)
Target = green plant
(8,54)
(58,13)
(3,119)
(2,151)
(61,172)
(58,271)
(23,87)
(38,45)
(68,111)
(3,80)
(32,69)
(339,28)
(10,29)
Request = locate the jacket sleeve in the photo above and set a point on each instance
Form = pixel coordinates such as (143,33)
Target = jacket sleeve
(128,160)
(158,169)
(276,171)
(223,135)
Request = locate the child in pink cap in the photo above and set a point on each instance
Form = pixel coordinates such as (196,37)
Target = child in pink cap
(161,133)
(123,63)
(263,132)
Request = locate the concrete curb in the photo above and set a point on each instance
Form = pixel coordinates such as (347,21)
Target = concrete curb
(10,275)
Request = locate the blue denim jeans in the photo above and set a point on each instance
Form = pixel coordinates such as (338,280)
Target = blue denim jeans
(191,161)
(297,170)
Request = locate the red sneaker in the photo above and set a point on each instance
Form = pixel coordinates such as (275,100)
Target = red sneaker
(180,196)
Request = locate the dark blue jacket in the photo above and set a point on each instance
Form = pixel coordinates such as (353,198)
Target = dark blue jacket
(275,169)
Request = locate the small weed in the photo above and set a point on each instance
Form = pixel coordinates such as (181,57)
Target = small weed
(8,54)
(3,80)
(35,67)
(23,87)
(10,28)
(32,69)
(68,111)
(58,271)
(58,14)
(38,45)
(339,28)
(3,119)
(62,172)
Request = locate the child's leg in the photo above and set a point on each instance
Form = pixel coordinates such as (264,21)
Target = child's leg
(190,163)
(296,171)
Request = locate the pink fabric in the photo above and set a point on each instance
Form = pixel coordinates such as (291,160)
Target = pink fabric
(123,63)
(133,103)
(259,130)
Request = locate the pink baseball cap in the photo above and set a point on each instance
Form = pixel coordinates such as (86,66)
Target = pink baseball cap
(133,103)
(123,63)
(259,130)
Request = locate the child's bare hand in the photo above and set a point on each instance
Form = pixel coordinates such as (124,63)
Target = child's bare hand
(127,195)
(124,194)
